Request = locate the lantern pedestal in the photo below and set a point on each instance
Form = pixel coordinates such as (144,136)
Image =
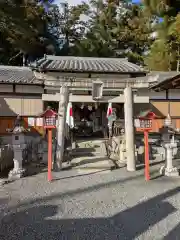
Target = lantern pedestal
(17,172)
(19,144)
(169,145)
(168,169)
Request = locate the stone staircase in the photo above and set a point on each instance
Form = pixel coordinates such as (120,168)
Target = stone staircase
(90,157)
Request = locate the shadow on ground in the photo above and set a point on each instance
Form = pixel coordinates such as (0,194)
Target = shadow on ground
(46,222)
(142,165)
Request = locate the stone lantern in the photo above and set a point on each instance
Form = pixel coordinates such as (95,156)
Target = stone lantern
(169,144)
(18,144)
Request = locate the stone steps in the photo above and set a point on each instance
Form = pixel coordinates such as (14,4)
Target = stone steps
(92,164)
(90,157)
(90,147)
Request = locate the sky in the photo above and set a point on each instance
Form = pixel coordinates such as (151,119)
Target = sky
(75,2)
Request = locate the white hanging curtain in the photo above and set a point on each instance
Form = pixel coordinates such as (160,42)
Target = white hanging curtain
(69,116)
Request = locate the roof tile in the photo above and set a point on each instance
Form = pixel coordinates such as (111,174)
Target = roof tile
(21,75)
(87,64)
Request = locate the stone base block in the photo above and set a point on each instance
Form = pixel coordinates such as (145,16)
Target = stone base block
(2,182)
(122,157)
(172,172)
(16,174)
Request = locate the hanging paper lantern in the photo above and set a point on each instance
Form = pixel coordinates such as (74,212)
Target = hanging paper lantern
(90,108)
(82,106)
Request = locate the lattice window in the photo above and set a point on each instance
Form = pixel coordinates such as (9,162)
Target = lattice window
(50,121)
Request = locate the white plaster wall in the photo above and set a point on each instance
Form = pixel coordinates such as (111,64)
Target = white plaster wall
(6,88)
(156,95)
(23,105)
(174,94)
(29,89)
(152,95)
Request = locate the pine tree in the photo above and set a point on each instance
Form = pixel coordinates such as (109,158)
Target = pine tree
(116,29)
(166,44)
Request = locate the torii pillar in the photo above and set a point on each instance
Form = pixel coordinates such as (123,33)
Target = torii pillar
(129,129)
(63,101)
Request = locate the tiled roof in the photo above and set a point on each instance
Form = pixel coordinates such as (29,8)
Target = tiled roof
(21,75)
(158,78)
(86,64)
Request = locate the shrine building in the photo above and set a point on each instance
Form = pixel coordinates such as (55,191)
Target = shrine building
(27,91)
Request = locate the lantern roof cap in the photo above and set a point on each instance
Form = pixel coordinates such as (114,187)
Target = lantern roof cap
(18,126)
(19,129)
(49,112)
(148,114)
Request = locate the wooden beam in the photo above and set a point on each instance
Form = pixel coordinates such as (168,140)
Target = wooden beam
(88,98)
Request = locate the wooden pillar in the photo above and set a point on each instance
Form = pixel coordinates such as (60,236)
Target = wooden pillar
(49,154)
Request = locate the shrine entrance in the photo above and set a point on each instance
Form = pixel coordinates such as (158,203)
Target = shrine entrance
(91,131)
(89,120)
(86,142)
(90,126)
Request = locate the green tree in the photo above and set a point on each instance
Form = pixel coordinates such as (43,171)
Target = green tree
(115,29)
(174,32)
(24,25)
(164,51)
(159,57)
(67,26)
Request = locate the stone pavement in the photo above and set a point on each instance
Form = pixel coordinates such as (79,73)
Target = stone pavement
(117,205)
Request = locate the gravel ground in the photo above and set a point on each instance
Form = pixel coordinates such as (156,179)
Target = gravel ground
(115,205)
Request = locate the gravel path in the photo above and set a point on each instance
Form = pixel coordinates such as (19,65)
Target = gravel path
(115,205)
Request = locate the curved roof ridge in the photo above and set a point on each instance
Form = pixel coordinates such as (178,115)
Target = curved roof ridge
(53,57)
(86,64)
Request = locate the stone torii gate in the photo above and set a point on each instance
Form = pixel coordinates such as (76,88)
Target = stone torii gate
(63,97)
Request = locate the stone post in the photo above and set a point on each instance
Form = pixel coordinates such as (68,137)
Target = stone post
(169,152)
(129,129)
(63,101)
(122,152)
